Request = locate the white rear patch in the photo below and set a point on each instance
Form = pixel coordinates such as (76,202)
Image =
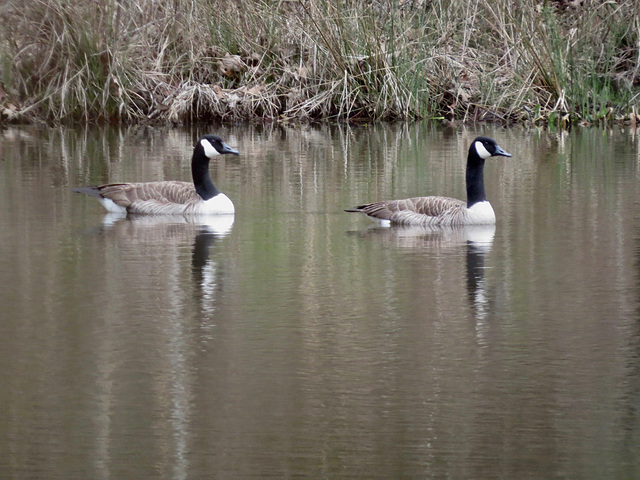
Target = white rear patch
(209,150)
(482,152)
(111,206)
(383,222)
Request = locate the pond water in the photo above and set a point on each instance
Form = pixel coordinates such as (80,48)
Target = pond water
(300,340)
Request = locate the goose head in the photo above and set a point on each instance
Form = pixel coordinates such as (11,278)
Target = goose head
(213,145)
(481,149)
(485,147)
(208,146)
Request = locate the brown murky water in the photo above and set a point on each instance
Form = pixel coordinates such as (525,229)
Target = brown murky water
(297,340)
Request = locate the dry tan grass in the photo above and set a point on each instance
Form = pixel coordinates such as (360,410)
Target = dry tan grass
(190,60)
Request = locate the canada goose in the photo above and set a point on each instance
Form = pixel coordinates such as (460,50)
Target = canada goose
(431,211)
(171,197)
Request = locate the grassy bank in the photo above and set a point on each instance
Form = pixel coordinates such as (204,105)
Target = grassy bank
(557,62)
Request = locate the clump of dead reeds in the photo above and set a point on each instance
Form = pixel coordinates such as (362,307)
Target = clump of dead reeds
(555,62)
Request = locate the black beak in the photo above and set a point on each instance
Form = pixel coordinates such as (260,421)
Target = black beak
(499,151)
(227,149)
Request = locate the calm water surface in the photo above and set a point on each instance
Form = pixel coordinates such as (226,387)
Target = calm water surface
(298,340)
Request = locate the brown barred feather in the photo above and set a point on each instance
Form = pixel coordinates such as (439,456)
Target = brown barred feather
(153,198)
(424,211)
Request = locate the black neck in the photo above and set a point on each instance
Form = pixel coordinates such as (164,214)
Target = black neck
(475,178)
(200,173)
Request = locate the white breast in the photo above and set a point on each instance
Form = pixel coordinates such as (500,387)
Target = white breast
(480,213)
(218,205)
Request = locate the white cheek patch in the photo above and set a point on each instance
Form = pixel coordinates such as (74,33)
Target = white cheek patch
(209,150)
(482,152)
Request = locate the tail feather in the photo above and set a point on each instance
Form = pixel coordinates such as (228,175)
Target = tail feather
(93,191)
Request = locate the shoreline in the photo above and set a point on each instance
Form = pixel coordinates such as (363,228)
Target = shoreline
(189,61)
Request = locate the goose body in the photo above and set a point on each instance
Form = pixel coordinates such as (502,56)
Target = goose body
(444,211)
(171,197)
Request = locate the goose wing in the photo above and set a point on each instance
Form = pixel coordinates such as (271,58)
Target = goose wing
(414,211)
(150,197)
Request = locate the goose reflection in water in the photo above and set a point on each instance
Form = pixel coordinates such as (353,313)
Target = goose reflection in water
(204,270)
(475,241)
(477,249)
(445,238)
(217,225)
(157,242)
